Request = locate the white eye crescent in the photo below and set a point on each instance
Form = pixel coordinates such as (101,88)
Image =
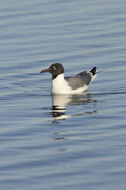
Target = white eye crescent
(54,68)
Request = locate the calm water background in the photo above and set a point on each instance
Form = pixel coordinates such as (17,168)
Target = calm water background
(82,145)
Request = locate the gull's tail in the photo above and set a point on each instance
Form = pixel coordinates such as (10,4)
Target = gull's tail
(93,71)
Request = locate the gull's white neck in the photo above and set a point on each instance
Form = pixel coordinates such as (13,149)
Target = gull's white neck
(60,85)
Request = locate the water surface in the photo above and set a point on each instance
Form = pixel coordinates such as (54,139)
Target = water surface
(62,142)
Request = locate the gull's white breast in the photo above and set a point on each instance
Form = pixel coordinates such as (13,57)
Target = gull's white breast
(60,85)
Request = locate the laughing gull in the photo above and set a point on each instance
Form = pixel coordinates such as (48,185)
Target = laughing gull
(69,85)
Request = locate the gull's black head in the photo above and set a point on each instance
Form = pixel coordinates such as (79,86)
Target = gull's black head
(55,69)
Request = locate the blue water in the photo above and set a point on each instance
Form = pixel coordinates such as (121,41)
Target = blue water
(82,144)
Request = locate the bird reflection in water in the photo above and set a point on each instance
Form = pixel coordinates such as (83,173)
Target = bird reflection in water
(59,103)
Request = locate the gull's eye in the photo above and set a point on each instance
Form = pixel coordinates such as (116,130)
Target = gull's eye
(54,68)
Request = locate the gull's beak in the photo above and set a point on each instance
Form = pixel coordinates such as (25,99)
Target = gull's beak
(45,70)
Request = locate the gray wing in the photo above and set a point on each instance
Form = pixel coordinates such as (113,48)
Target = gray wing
(80,80)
